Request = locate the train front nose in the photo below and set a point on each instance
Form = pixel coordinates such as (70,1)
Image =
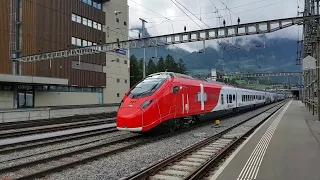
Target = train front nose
(129,119)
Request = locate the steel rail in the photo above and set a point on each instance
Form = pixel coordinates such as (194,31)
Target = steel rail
(8,148)
(51,128)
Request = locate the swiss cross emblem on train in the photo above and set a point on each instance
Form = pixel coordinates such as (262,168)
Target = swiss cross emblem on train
(202,96)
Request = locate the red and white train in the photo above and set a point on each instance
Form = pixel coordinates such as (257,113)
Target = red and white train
(171,100)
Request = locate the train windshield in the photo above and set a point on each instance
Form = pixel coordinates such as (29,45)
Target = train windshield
(148,86)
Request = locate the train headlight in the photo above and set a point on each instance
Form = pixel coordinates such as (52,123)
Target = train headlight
(146,104)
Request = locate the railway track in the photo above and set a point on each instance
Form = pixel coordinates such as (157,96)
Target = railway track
(195,161)
(36,168)
(43,122)
(24,145)
(50,128)
(67,147)
(45,166)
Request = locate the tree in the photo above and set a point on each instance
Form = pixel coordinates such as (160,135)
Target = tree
(234,82)
(181,67)
(170,64)
(151,68)
(135,71)
(161,67)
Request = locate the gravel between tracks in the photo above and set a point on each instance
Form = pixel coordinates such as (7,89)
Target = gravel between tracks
(6,157)
(122,164)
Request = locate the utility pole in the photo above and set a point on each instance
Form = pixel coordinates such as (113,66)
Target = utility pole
(311,44)
(144,48)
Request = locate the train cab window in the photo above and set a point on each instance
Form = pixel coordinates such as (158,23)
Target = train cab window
(222,99)
(148,86)
(230,98)
(176,90)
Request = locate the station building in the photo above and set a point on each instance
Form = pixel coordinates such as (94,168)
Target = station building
(31,27)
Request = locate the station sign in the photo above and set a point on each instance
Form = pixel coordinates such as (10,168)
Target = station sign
(25,87)
(120,51)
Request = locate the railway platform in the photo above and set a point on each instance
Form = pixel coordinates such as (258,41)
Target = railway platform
(286,146)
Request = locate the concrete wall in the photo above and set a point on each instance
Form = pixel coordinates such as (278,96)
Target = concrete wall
(116,69)
(48,113)
(6,99)
(65,98)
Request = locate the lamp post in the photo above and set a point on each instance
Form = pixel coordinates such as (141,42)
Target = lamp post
(144,49)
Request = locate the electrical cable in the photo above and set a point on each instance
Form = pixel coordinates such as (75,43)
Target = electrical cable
(236,12)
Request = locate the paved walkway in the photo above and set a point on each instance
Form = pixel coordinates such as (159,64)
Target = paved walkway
(284,148)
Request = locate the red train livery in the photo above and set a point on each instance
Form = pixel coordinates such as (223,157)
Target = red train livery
(171,100)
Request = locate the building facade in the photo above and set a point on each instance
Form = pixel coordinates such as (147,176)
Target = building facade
(38,26)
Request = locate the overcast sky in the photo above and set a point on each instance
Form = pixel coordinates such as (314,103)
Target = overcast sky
(156,12)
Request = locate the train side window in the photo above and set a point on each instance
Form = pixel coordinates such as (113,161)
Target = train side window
(230,98)
(222,99)
(234,97)
(176,90)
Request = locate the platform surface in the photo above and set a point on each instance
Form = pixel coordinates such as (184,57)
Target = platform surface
(285,147)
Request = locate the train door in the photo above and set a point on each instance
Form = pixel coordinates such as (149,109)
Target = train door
(185,100)
(222,100)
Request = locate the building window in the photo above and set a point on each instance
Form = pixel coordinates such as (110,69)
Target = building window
(118,80)
(118,60)
(99,26)
(125,62)
(73,41)
(74,17)
(85,21)
(118,94)
(95,5)
(78,19)
(126,81)
(89,23)
(117,20)
(79,42)
(84,43)
(92,3)
(125,23)
(95,25)
(89,43)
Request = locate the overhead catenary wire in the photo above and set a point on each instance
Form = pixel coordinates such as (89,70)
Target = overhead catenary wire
(211,12)
(244,11)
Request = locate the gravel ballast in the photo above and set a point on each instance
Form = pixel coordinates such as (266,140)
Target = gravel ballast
(125,163)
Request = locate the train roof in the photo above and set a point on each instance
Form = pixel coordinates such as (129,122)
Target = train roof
(179,75)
